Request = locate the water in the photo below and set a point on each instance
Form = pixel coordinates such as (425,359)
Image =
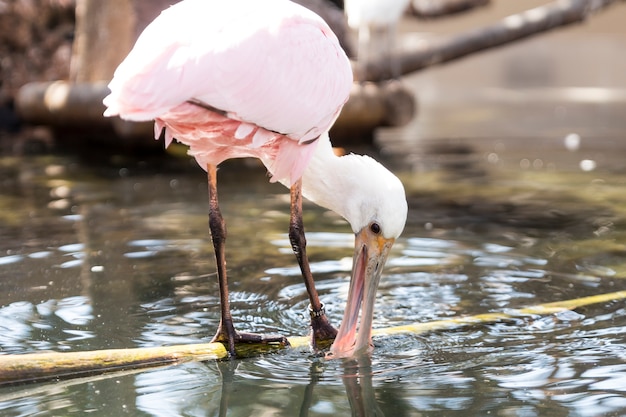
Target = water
(515,175)
(116,255)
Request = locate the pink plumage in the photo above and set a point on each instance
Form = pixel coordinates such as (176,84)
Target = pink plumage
(271,72)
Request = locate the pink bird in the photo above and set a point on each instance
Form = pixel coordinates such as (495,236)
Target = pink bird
(266,79)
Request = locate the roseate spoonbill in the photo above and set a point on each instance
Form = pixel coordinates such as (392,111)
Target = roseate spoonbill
(376,23)
(266,79)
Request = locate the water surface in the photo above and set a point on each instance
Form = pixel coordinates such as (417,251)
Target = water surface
(117,255)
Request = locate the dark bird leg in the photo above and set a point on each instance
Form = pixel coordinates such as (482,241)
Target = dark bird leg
(322,329)
(226,332)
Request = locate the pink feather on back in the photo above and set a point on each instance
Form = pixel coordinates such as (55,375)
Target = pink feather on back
(272,68)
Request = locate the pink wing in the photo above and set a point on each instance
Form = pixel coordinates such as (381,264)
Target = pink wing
(270,63)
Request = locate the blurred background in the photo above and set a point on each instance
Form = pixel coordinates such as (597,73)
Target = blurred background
(566,80)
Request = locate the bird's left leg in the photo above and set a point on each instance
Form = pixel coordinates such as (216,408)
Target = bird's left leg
(226,332)
(322,329)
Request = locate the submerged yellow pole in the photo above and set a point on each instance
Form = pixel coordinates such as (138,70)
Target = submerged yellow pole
(540,309)
(36,367)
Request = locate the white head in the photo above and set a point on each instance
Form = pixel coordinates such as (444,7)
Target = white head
(356,187)
(373,195)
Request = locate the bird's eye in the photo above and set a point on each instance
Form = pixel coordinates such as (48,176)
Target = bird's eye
(375,228)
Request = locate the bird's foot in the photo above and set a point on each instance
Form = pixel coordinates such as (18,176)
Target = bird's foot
(323,333)
(234,341)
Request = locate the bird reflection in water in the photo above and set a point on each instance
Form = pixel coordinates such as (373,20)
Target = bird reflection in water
(357,377)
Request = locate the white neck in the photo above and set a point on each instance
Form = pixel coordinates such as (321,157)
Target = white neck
(328,181)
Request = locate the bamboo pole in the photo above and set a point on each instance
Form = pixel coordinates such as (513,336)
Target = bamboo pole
(540,309)
(46,366)
(35,367)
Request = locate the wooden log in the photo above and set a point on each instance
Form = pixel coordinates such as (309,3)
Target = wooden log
(61,103)
(64,104)
(513,28)
(46,366)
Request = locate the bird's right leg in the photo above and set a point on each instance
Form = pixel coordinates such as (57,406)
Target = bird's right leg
(226,332)
(322,329)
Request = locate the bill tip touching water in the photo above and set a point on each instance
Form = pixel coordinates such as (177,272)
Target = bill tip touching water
(207,72)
